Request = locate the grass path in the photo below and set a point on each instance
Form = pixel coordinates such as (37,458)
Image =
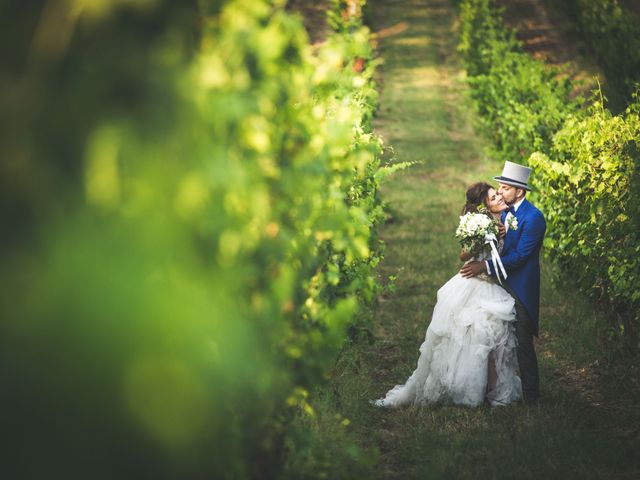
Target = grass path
(424,115)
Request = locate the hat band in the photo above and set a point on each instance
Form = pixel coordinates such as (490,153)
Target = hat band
(512,181)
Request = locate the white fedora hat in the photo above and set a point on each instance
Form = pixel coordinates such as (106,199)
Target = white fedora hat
(515,175)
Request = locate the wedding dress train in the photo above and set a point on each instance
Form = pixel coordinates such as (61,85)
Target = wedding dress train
(472,318)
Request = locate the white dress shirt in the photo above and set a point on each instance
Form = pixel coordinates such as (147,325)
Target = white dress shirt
(515,209)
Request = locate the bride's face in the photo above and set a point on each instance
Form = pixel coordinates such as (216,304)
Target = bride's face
(495,202)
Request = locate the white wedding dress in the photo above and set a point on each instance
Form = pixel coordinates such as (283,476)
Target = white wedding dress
(472,318)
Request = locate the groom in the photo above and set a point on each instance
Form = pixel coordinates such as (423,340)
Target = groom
(521,259)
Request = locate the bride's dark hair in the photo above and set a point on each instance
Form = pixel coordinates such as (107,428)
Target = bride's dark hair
(476,195)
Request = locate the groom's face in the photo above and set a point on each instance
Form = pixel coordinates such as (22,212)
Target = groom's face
(510,194)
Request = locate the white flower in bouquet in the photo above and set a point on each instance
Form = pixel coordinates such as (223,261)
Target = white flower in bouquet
(475,229)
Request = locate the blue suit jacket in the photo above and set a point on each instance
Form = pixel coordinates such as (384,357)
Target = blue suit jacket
(521,258)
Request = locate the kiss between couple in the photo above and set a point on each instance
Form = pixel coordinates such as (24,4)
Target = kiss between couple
(483,324)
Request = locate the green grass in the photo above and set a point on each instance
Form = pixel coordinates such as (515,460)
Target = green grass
(575,431)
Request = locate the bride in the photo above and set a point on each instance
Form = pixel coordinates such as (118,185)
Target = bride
(468,356)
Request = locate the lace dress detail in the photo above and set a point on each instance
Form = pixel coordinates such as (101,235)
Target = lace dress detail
(472,318)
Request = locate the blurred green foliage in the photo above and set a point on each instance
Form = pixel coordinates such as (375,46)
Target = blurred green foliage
(520,100)
(590,186)
(584,159)
(613,34)
(189,205)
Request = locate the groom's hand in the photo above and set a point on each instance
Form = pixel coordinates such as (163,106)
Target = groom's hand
(472,269)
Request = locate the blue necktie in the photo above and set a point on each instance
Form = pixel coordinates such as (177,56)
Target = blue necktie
(512,210)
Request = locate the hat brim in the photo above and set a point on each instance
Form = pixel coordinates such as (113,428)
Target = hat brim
(513,183)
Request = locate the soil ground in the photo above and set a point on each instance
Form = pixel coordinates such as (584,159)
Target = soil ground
(549,36)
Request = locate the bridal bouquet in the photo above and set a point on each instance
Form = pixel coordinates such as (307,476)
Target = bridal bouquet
(475,229)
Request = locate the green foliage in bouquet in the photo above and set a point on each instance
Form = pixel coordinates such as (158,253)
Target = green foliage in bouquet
(590,187)
(473,229)
(189,205)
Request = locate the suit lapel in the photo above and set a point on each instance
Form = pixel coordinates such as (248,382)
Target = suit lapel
(520,213)
(507,237)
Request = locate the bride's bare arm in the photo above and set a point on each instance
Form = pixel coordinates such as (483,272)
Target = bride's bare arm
(468,254)
(465,255)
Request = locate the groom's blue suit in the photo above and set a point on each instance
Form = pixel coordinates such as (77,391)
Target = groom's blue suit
(521,258)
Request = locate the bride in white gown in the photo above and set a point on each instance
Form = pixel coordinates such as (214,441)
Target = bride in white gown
(469,352)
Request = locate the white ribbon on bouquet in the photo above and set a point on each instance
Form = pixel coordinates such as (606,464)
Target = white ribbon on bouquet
(491,239)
